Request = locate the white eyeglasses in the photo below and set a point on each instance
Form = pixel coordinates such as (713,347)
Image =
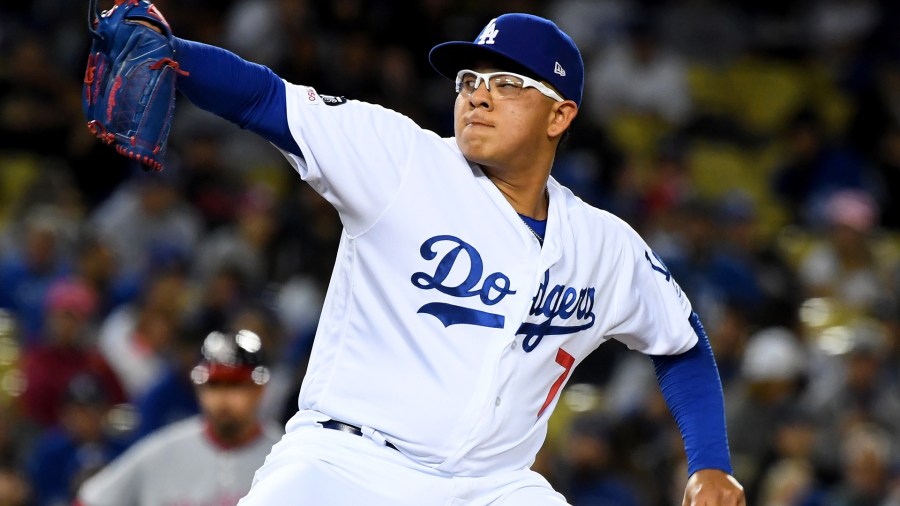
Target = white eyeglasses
(501,85)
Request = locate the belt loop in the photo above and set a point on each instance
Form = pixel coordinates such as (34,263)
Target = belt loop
(368,432)
(374,435)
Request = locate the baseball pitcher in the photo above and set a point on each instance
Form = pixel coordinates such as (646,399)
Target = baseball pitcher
(468,283)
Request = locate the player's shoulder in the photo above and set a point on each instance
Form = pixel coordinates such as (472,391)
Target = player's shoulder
(365,120)
(312,101)
(583,214)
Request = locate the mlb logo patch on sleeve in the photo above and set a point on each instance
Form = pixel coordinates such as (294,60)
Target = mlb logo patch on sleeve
(332,100)
(315,98)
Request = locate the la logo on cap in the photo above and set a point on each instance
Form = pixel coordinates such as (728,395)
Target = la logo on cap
(490,31)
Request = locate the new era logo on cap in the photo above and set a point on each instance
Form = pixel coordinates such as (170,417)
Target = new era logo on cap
(523,41)
(557,69)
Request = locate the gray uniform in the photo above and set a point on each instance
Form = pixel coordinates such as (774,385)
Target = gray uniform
(180,465)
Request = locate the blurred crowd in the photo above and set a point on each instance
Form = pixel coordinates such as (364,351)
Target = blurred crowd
(754,144)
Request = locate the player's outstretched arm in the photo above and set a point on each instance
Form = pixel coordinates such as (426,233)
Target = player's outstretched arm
(245,93)
(692,389)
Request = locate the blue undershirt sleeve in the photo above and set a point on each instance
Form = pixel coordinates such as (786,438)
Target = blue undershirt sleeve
(245,93)
(692,389)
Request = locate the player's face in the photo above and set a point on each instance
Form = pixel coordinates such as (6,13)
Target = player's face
(230,408)
(494,130)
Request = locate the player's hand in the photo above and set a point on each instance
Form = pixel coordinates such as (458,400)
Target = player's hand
(712,487)
(149,25)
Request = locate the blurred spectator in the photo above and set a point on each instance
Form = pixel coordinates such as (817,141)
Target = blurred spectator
(788,482)
(309,235)
(98,267)
(148,223)
(260,30)
(591,465)
(815,167)
(641,77)
(593,24)
(728,339)
(711,274)
(780,290)
(356,76)
(707,33)
(435,21)
(209,186)
(845,266)
(893,493)
(82,444)
(64,351)
(171,397)
(30,266)
(287,365)
(860,391)
(220,296)
(136,338)
(591,161)
(648,444)
(396,80)
(877,108)
(887,316)
(773,373)
(670,183)
(888,173)
(16,432)
(14,487)
(865,468)
(244,245)
(839,27)
(208,459)
(791,471)
(15,437)
(302,62)
(32,95)
(776,28)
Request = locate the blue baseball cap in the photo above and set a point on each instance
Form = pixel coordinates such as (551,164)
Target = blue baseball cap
(527,41)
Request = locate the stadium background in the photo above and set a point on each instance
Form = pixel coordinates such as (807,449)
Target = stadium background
(755,144)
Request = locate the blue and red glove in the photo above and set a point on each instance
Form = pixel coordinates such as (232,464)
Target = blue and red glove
(129,83)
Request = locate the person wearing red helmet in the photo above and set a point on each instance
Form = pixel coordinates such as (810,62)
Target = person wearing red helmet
(206,459)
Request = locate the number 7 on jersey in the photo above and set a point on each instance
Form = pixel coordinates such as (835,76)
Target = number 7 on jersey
(564,359)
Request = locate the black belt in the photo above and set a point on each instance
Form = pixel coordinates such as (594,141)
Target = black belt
(350,429)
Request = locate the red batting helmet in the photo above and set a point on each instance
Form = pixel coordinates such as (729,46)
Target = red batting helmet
(231,358)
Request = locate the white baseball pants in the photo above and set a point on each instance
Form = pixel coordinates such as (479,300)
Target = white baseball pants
(315,466)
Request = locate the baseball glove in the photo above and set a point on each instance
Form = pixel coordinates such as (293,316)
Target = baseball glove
(129,83)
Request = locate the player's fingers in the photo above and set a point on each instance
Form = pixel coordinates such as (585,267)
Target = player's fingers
(723,498)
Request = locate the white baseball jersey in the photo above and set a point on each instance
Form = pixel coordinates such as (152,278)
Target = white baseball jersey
(179,465)
(446,326)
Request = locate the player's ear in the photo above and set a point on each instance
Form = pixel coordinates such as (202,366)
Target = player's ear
(561,116)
